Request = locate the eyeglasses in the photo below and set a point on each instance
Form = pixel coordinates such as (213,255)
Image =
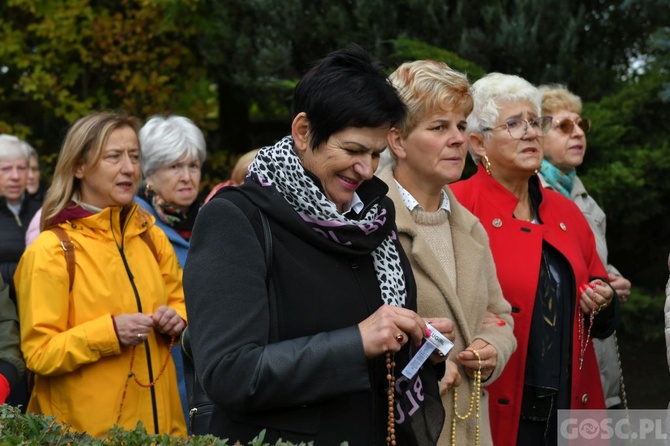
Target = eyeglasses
(518,127)
(568,125)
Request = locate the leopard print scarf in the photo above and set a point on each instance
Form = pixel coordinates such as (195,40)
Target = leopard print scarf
(279,166)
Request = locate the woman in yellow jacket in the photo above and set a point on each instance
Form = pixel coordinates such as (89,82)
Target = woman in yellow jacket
(97,338)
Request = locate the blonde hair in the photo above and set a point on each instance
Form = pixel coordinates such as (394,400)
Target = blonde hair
(242,166)
(426,86)
(83,144)
(557,97)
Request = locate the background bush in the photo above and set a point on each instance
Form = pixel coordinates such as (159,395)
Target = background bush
(17,428)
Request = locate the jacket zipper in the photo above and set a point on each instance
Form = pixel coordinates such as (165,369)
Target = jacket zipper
(139,308)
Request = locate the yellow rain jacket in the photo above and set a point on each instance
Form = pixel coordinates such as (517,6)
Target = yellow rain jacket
(68,338)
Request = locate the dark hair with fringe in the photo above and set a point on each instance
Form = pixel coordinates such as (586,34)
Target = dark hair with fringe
(346,89)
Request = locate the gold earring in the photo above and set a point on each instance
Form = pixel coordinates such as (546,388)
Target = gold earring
(487,165)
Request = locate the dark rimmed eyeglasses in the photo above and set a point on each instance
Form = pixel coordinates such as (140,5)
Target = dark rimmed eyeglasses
(568,125)
(518,127)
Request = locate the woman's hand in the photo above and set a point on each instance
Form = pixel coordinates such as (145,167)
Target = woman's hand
(621,285)
(389,328)
(492,320)
(451,378)
(488,356)
(133,329)
(167,321)
(595,296)
(446,327)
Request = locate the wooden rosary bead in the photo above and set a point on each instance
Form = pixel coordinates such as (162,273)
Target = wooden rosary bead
(131,374)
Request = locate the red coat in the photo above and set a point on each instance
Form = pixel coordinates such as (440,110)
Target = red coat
(516,246)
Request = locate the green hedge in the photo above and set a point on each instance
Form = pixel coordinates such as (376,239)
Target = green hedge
(642,315)
(17,428)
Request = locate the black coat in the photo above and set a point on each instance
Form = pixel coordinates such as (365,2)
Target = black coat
(13,237)
(310,380)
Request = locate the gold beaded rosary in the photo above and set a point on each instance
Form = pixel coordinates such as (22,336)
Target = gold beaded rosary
(131,374)
(474,402)
(390,376)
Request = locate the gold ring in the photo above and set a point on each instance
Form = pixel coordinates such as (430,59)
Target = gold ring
(139,336)
(400,337)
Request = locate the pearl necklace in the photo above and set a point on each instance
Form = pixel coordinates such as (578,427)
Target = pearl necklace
(475,400)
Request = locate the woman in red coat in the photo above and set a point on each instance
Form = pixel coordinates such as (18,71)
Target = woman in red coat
(546,262)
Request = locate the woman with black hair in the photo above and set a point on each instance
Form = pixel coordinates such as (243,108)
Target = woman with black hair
(307,345)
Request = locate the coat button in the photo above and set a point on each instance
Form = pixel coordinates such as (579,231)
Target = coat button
(497,222)
(585,398)
(563,227)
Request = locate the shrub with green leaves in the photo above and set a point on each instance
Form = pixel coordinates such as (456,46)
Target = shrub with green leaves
(29,429)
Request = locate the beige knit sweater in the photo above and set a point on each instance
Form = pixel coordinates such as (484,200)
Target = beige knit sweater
(464,299)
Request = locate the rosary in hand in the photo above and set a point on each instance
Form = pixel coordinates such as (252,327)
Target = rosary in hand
(584,338)
(435,340)
(131,374)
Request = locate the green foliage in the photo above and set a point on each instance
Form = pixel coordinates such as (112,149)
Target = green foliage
(642,315)
(626,170)
(36,430)
(407,50)
(62,60)
(661,46)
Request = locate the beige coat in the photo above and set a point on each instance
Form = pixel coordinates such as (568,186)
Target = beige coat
(477,291)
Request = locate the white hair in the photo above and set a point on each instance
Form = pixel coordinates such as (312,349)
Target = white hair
(12,148)
(165,140)
(490,92)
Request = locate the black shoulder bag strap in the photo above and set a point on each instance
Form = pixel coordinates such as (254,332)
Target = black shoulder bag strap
(267,236)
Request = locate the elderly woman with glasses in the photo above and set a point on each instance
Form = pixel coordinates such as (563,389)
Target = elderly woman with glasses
(564,149)
(546,262)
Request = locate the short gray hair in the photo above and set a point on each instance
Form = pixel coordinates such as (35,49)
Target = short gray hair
(165,140)
(490,92)
(12,147)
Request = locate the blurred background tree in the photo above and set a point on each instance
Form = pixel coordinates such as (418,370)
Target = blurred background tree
(231,66)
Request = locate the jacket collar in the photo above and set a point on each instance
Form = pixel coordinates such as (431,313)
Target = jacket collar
(107,223)
(466,248)
(461,219)
(172,235)
(502,199)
